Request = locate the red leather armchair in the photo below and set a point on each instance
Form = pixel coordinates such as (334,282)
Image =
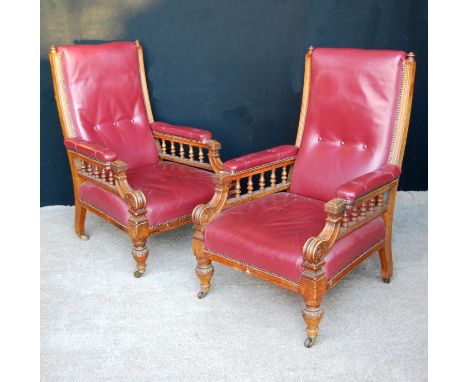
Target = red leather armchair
(142,176)
(339,183)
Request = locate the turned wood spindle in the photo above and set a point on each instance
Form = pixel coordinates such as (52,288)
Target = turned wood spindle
(273,178)
(345,220)
(163,146)
(103,174)
(182,150)
(363,208)
(201,157)
(354,214)
(173,151)
(111,177)
(82,166)
(237,189)
(190,151)
(261,182)
(284,175)
(89,169)
(372,204)
(96,172)
(250,185)
(380,200)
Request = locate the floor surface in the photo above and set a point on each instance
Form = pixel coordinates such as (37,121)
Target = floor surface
(99,323)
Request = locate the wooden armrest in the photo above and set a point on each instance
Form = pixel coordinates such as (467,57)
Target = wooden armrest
(90,149)
(366,183)
(181,131)
(260,158)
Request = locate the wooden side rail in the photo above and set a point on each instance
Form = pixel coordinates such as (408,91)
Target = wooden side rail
(228,190)
(204,155)
(94,171)
(260,181)
(368,207)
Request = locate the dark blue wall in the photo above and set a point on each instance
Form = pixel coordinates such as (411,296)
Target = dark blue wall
(233,67)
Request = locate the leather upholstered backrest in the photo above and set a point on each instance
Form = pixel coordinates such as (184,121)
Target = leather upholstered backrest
(351,116)
(104,92)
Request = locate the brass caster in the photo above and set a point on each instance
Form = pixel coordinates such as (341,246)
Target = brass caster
(309,342)
(201,294)
(137,274)
(386,280)
(83,237)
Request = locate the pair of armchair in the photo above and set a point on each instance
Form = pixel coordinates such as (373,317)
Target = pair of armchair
(300,216)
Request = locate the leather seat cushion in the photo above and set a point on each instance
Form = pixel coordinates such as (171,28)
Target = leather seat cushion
(172,191)
(269,233)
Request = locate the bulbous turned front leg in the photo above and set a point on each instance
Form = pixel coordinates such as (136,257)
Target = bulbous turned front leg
(140,254)
(204,269)
(204,272)
(139,232)
(313,287)
(312,317)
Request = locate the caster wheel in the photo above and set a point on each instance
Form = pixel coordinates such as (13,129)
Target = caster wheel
(201,294)
(83,237)
(309,342)
(138,274)
(386,280)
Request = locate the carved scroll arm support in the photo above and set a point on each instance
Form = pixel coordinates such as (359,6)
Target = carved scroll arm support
(110,176)
(135,199)
(316,248)
(343,217)
(204,213)
(313,282)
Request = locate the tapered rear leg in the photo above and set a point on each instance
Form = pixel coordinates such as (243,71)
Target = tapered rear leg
(385,253)
(80,217)
(386,262)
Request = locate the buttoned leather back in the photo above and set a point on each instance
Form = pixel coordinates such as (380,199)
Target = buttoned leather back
(106,102)
(351,116)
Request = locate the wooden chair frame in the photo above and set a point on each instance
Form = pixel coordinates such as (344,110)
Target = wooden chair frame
(343,217)
(111,176)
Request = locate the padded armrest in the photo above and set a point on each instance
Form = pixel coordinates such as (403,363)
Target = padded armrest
(363,184)
(181,131)
(90,149)
(260,158)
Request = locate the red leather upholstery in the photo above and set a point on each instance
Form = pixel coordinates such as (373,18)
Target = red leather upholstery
(181,131)
(106,102)
(368,182)
(259,158)
(90,149)
(352,110)
(269,233)
(172,190)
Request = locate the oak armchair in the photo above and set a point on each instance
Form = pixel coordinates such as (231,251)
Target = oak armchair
(142,176)
(338,183)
